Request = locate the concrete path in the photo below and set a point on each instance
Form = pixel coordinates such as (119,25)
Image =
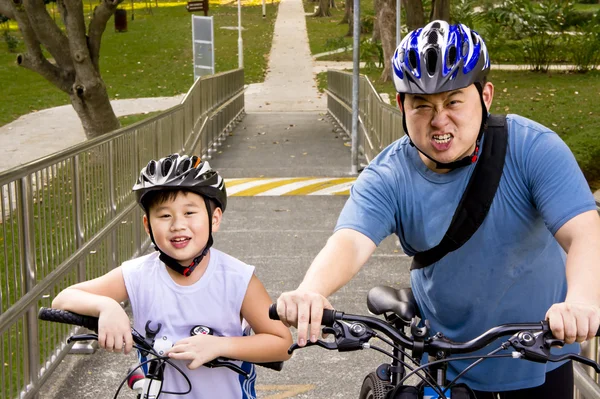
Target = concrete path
(290,82)
(48,131)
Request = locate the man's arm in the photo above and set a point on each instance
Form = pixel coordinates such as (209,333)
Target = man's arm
(344,254)
(578,318)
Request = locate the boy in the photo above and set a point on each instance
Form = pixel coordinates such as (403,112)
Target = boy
(184,200)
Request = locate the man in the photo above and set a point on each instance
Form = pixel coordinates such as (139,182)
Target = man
(535,255)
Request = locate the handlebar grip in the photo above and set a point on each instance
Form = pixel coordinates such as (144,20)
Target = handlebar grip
(277,366)
(273,312)
(66,317)
(327,320)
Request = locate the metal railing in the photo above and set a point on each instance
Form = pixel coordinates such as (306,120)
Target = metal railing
(380,124)
(71,216)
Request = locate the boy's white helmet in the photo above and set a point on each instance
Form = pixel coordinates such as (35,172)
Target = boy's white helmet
(181,172)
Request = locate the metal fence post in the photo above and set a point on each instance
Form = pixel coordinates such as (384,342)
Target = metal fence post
(79,347)
(31,347)
(112,206)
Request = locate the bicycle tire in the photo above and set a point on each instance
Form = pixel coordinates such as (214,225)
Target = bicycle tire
(373,388)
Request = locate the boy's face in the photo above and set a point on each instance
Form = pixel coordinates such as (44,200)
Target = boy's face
(445,125)
(180,226)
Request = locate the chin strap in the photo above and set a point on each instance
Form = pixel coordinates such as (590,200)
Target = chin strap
(172,262)
(469,159)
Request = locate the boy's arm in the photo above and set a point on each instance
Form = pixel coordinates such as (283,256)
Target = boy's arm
(101,298)
(269,343)
(90,297)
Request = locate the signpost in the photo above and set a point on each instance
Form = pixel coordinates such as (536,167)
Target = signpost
(203,45)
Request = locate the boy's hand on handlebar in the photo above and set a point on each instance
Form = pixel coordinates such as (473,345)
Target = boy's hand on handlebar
(114,329)
(301,308)
(198,349)
(573,321)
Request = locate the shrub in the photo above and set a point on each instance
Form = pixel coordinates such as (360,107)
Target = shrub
(537,25)
(12,42)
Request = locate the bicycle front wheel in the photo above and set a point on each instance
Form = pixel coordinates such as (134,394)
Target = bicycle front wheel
(372,388)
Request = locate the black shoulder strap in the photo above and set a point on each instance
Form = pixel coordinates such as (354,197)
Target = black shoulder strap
(478,196)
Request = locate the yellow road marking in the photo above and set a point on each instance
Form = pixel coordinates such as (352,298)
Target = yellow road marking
(264,187)
(319,186)
(284,391)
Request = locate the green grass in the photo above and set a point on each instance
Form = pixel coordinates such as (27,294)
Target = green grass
(152,59)
(327,34)
(127,120)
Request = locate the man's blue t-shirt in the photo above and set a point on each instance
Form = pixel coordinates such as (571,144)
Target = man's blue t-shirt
(511,270)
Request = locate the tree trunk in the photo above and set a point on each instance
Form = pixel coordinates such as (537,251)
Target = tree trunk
(376,34)
(323,10)
(387,28)
(414,14)
(75,53)
(347,12)
(93,107)
(350,32)
(440,9)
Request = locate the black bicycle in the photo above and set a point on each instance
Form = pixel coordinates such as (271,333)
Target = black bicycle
(530,341)
(146,378)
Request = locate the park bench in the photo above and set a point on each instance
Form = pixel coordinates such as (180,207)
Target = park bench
(201,5)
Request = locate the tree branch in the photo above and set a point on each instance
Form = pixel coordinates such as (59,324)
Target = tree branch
(102,14)
(78,44)
(48,34)
(34,59)
(45,68)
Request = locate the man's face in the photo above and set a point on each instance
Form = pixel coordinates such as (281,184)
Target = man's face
(445,125)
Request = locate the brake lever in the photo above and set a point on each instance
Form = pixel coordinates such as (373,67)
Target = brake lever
(321,343)
(577,358)
(82,337)
(231,366)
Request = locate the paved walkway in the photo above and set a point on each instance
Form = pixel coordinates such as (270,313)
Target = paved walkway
(290,82)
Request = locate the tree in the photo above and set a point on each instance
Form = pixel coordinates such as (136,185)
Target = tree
(415,18)
(74,66)
(386,17)
(440,9)
(323,10)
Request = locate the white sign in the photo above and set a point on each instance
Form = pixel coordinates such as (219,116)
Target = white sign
(203,44)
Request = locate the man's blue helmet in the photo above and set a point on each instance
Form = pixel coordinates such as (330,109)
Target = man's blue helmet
(439,57)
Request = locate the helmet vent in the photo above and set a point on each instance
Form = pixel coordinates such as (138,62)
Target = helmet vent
(431,58)
(451,56)
(474,38)
(166,166)
(412,58)
(436,25)
(185,165)
(151,168)
(432,37)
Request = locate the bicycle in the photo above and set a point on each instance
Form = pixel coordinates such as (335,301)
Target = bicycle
(530,341)
(145,378)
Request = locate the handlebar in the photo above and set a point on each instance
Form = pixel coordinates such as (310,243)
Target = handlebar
(90,322)
(533,340)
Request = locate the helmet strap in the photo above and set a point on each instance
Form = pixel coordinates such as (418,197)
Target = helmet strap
(172,262)
(469,159)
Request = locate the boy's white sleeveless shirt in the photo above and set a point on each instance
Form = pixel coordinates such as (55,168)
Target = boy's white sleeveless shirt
(214,301)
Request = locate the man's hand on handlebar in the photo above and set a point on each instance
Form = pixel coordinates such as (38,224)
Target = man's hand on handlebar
(303,310)
(573,321)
